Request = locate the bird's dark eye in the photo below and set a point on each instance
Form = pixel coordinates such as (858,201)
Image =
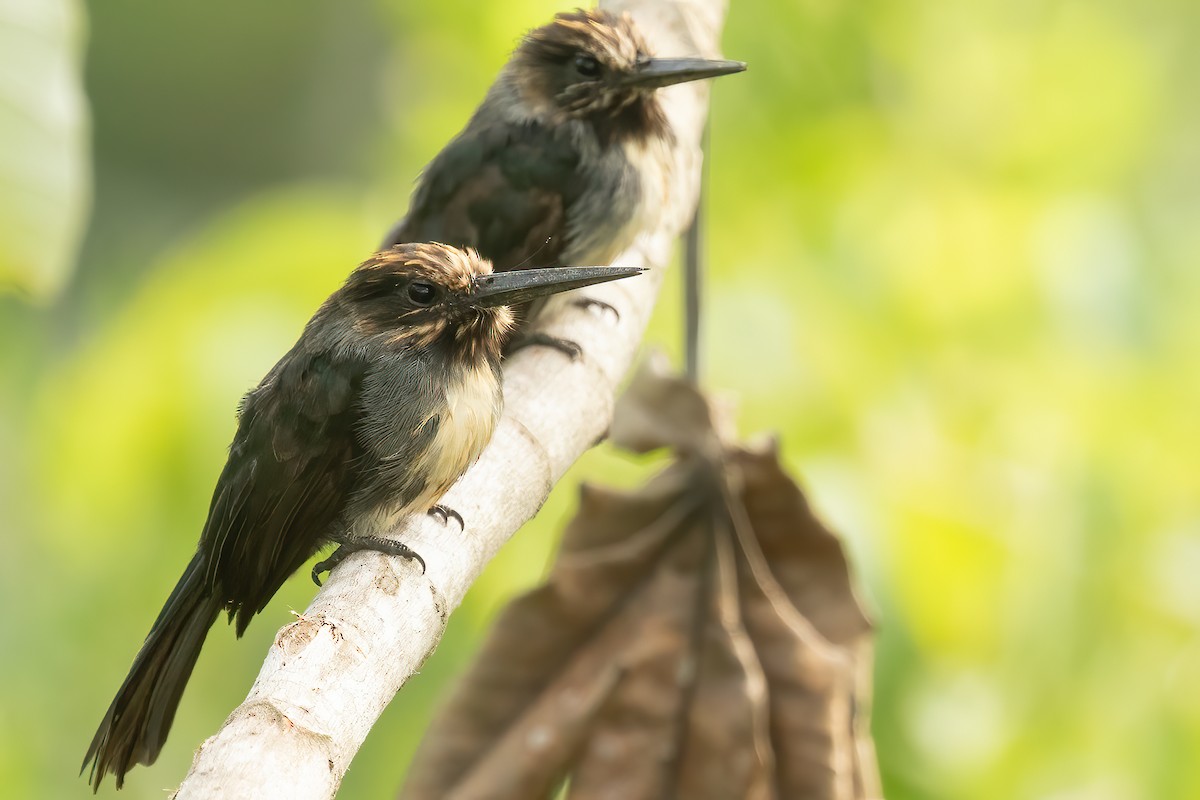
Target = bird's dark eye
(587,66)
(422,294)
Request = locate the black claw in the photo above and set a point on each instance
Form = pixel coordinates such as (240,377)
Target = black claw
(377,544)
(591,302)
(335,558)
(445,514)
(390,547)
(564,346)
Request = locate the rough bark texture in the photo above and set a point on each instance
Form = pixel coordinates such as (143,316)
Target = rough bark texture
(329,675)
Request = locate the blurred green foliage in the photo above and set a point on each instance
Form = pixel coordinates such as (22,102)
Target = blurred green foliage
(954,264)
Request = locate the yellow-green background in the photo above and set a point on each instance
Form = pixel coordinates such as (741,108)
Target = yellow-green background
(954,264)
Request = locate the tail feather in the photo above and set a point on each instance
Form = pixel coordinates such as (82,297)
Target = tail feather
(137,722)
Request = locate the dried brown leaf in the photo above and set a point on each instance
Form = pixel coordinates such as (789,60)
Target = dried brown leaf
(658,410)
(698,639)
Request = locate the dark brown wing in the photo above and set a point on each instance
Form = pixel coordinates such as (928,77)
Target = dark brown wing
(503,189)
(291,468)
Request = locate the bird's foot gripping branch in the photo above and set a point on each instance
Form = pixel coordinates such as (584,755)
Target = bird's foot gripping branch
(392,391)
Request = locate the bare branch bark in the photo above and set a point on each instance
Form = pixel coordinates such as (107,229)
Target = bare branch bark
(329,675)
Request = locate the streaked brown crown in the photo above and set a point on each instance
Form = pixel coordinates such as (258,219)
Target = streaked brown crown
(553,68)
(413,294)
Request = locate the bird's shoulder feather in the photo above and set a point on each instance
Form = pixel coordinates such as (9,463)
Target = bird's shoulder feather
(503,188)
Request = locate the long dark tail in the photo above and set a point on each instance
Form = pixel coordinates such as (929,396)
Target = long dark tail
(137,722)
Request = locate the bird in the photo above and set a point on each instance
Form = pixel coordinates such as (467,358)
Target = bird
(390,393)
(566,158)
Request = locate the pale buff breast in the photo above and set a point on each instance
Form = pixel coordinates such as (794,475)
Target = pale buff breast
(625,195)
(653,159)
(465,426)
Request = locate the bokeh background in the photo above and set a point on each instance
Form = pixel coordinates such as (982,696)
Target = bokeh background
(955,252)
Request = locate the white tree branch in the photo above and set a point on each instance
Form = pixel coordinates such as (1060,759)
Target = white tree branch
(329,674)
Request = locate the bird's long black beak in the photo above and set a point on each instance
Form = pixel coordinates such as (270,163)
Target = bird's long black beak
(519,286)
(655,73)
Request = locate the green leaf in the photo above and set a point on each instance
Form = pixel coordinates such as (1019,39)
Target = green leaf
(44,169)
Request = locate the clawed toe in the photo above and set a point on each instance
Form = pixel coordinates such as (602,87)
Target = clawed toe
(335,558)
(445,514)
(588,303)
(388,547)
(564,346)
